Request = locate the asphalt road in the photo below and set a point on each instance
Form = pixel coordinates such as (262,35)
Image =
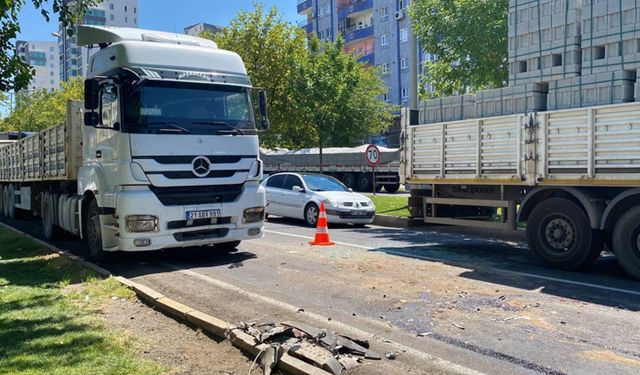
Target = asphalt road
(448,303)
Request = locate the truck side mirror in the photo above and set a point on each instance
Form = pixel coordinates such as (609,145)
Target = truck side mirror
(262,107)
(91,94)
(91,118)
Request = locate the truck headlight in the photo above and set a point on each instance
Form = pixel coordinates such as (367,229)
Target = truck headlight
(253,215)
(141,223)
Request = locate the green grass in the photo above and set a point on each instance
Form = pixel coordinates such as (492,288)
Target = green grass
(390,205)
(47,328)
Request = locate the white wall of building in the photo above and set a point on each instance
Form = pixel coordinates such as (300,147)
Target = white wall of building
(43,57)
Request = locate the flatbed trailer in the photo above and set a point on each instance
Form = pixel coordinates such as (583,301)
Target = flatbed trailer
(571,176)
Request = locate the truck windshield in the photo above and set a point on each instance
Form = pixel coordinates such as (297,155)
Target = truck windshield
(162,107)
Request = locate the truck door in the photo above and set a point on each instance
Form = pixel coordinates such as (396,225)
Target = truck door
(106,147)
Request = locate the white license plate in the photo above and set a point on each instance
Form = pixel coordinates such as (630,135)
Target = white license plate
(359,213)
(205,214)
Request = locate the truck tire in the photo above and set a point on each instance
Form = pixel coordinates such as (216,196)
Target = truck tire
(48,214)
(626,242)
(5,200)
(227,246)
(1,200)
(94,233)
(349,180)
(559,234)
(391,188)
(365,184)
(10,203)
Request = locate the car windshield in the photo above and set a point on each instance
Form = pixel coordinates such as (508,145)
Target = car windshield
(323,183)
(188,108)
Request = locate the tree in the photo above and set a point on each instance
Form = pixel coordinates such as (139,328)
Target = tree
(15,74)
(41,109)
(270,48)
(339,96)
(469,38)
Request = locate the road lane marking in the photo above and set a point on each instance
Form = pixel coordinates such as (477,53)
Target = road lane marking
(461,265)
(442,363)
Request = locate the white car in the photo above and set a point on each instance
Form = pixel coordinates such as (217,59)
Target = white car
(299,195)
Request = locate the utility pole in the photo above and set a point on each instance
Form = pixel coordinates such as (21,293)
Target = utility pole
(413,69)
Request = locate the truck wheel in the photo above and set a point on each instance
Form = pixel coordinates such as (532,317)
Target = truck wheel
(5,201)
(227,246)
(626,242)
(311,213)
(51,231)
(391,188)
(94,233)
(1,200)
(365,183)
(10,203)
(349,180)
(559,234)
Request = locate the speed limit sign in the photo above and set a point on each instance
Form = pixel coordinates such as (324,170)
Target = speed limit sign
(372,154)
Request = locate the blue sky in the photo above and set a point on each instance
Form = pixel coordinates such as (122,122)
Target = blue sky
(165,15)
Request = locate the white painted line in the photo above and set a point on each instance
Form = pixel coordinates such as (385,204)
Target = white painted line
(461,265)
(442,363)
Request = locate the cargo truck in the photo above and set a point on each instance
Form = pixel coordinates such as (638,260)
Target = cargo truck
(347,164)
(572,177)
(163,153)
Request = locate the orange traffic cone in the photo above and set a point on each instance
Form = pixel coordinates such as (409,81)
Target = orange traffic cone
(322,231)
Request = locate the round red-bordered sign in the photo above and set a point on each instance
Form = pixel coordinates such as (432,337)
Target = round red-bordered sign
(372,155)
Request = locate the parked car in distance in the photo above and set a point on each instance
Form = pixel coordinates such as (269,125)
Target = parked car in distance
(299,195)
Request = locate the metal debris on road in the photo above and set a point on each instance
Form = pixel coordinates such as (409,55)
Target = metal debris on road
(391,355)
(458,326)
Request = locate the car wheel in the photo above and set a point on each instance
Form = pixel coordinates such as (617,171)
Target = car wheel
(559,234)
(94,233)
(311,213)
(227,246)
(626,242)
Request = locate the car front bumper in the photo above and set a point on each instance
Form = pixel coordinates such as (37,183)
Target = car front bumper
(347,216)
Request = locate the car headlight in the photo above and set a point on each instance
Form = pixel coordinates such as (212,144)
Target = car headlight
(330,203)
(141,223)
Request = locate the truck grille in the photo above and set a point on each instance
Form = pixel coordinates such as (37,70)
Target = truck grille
(182,224)
(201,234)
(193,195)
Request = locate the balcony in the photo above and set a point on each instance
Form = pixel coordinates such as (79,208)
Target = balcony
(368,59)
(306,25)
(304,6)
(354,8)
(357,33)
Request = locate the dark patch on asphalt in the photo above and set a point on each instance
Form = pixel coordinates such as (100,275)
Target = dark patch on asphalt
(497,355)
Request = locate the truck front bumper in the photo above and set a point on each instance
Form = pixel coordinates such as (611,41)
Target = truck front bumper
(173,230)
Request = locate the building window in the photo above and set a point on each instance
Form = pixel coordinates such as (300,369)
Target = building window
(384,39)
(327,9)
(384,69)
(51,74)
(405,93)
(111,6)
(126,19)
(321,11)
(403,63)
(384,13)
(403,3)
(125,8)
(384,97)
(135,10)
(404,34)
(112,17)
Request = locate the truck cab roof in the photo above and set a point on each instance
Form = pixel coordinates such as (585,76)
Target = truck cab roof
(161,55)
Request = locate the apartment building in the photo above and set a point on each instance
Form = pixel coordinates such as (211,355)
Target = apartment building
(73,59)
(378,31)
(199,28)
(43,58)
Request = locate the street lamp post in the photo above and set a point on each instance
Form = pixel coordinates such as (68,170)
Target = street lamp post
(64,52)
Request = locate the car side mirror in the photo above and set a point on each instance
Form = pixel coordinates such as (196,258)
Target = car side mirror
(298,189)
(91,118)
(351,190)
(91,94)
(262,108)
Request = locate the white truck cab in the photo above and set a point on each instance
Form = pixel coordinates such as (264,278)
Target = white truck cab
(170,153)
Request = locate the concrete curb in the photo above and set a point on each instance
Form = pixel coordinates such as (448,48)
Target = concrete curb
(391,221)
(184,314)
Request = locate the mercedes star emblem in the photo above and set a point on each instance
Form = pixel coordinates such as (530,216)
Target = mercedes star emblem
(201,166)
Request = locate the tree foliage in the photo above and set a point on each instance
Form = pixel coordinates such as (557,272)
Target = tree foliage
(469,38)
(338,95)
(16,74)
(269,48)
(318,95)
(41,109)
